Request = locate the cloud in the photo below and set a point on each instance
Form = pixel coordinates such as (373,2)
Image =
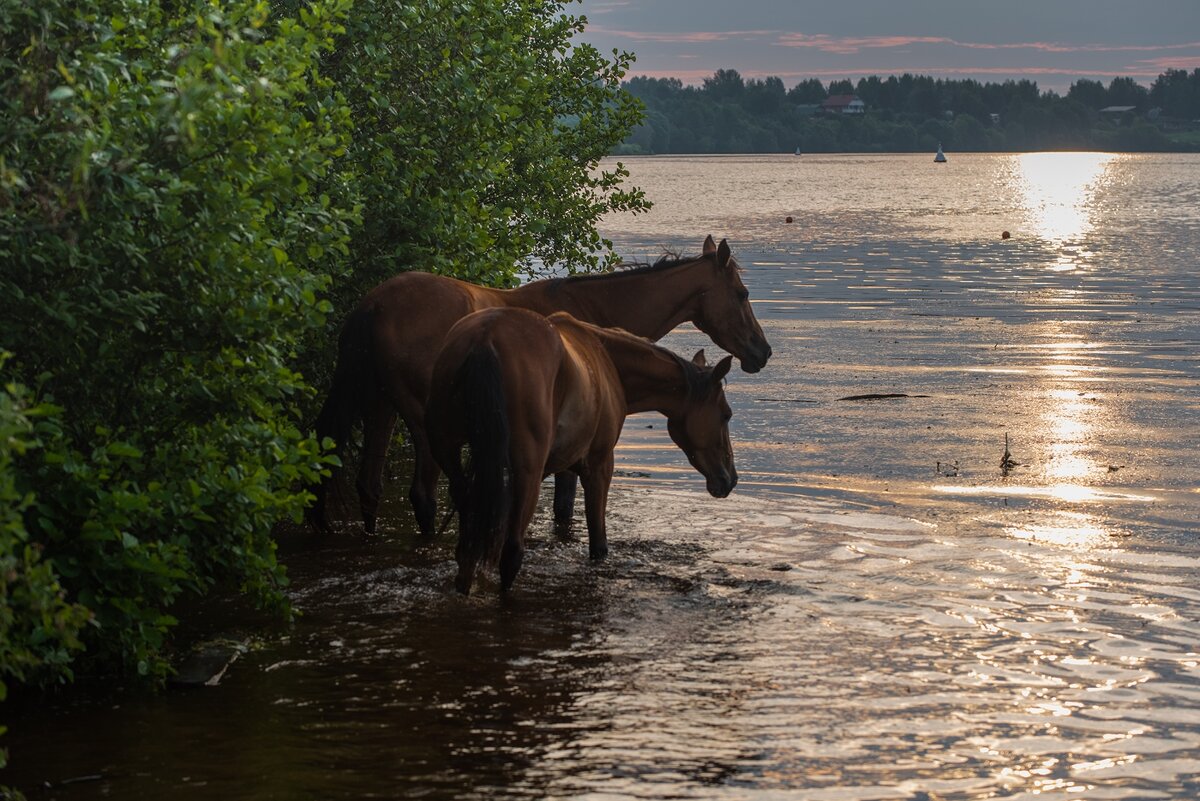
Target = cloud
(1168,63)
(607,7)
(849,45)
(682,37)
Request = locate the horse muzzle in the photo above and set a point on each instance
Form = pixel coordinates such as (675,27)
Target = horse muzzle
(755,357)
(722,483)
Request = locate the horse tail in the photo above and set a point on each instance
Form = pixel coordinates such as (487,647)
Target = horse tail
(484,516)
(353,383)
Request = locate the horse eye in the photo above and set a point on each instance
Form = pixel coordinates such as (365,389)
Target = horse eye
(743,294)
(726,417)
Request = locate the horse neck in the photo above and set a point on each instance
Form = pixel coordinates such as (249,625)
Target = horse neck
(649,303)
(652,378)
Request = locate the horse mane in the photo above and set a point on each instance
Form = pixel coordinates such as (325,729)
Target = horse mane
(637,268)
(691,373)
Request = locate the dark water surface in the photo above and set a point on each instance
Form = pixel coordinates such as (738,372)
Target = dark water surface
(877,612)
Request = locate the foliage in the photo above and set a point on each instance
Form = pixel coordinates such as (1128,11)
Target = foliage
(39,628)
(906,113)
(161,240)
(192,194)
(479,128)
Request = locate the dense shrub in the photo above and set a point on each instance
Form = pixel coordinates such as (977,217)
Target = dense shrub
(478,129)
(39,628)
(191,194)
(161,249)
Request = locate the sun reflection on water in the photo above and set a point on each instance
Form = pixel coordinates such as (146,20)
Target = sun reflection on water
(1058,192)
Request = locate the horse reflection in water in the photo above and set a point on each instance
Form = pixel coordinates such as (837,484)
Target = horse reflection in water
(532,395)
(387,347)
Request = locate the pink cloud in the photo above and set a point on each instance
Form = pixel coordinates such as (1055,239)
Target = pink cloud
(685,37)
(1169,62)
(846,45)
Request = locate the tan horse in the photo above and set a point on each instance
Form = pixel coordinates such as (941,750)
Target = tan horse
(388,344)
(533,395)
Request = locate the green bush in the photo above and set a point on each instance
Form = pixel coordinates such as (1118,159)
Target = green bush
(478,130)
(192,194)
(39,629)
(162,247)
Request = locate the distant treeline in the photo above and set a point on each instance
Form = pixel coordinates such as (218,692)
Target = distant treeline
(729,114)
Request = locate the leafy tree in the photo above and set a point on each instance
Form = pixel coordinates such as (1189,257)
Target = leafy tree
(39,629)
(478,131)
(1177,93)
(842,87)
(1127,92)
(725,85)
(1091,94)
(765,97)
(810,90)
(160,245)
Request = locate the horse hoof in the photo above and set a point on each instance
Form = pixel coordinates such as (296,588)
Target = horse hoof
(598,554)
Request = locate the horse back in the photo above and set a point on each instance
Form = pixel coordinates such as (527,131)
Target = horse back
(529,352)
(412,314)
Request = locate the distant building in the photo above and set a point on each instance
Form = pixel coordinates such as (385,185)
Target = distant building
(843,104)
(1117,110)
(995,118)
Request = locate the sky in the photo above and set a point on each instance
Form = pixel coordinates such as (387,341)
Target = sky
(1052,42)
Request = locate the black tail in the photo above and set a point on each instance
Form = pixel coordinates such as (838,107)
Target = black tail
(353,383)
(484,514)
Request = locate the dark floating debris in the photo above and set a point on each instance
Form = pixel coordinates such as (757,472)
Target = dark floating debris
(1112,468)
(1005,235)
(1007,462)
(785,400)
(948,468)
(205,666)
(881,396)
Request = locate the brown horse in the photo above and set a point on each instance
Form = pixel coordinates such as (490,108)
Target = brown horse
(388,344)
(532,395)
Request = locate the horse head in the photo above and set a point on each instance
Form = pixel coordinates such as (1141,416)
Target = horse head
(725,313)
(701,429)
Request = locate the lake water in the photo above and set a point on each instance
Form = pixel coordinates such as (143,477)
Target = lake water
(878,611)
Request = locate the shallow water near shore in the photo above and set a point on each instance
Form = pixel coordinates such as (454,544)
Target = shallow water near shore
(877,612)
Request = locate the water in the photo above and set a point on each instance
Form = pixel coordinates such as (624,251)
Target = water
(877,612)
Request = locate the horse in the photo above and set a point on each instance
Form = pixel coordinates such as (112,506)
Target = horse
(388,343)
(533,395)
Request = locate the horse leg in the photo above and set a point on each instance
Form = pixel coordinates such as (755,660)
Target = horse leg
(525,487)
(564,500)
(467,564)
(378,422)
(595,503)
(423,492)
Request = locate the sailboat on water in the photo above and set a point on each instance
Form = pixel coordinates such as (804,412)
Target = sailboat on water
(940,158)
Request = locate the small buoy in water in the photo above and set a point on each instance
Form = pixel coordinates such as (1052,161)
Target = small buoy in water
(1005,235)
(787,219)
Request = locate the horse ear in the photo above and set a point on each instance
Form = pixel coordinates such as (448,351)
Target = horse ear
(710,245)
(722,368)
(698,359)
(723,254)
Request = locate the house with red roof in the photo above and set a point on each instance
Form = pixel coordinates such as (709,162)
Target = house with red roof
(843,104)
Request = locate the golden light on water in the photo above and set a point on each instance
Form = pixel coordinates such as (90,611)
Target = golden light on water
(1058,190)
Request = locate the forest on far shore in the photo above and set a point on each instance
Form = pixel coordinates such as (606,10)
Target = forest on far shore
(913,113)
